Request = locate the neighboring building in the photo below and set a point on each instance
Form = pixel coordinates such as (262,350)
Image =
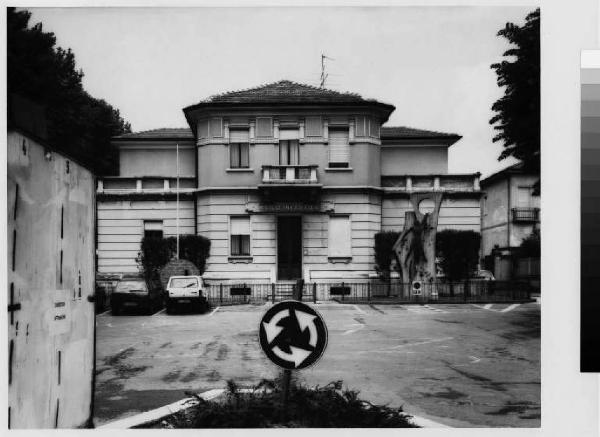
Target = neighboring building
(510,211)
(286,180)
(50,221)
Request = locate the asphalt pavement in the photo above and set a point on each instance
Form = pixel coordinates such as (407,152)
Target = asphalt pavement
(461,365)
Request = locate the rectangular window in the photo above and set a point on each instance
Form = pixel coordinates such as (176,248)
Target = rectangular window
(216,127)
(203,129)
(373,128)
(289,152)
(339,150)
(240,236)
(153,228)
(524,197)
(339,236)
(264,127)
(239,149)
(313,127)
(361,127)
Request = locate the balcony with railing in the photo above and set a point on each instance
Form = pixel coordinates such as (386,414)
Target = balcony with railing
(289,174)
(144,186)
(525,215)
(448,183)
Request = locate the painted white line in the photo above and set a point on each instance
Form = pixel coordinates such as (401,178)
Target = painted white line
(425,423)
(352,331)
(159,312)
(474,359)
(214,311)
(435,340)
(360,310)
(105,312)
(510,307)
(487,306)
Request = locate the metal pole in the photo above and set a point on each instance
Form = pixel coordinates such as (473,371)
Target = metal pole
(177,206)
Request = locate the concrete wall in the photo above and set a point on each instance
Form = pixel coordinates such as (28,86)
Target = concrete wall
(414,160)
(461,213)
(121,229)
(156,159)
(214,211)
(52,334)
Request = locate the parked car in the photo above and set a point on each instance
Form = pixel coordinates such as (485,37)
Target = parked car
(135,293)
(186,290)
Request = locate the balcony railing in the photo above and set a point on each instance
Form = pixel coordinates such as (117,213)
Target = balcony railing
(289,174)
(426,183)
(525,215)
(146,185)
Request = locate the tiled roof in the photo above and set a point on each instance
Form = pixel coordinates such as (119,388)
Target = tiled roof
(163,133)
(402,132)
(284,92)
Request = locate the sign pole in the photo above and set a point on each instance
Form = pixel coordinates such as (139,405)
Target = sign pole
(177,206)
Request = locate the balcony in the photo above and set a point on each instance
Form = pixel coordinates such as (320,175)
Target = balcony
(289,174)
(447,183)
(525,215)
(281,181)
(143,187)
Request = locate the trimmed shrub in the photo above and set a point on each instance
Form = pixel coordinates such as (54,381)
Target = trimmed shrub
(157,252)
(530,246)
(384,241)
(458,252)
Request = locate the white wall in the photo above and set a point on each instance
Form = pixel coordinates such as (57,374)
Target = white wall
(121,228)
(55,315)
(414,160)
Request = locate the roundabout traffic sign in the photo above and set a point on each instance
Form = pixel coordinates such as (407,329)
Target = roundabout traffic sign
(292,335)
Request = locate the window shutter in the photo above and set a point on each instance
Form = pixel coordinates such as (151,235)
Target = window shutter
(373,128)
(339,151)
(216,127)
(240,225)
(264,127)
(340,238)
(360,127)
(313,127)
(234,155)
(203,129)
(238,136)
(244,155)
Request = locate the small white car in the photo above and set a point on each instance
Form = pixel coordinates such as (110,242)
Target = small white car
(186,291)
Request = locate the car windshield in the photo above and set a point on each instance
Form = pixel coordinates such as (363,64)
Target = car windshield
(183,282)
(131,286)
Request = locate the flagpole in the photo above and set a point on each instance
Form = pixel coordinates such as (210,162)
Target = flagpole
(177,206)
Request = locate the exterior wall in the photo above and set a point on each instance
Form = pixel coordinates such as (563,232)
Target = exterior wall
(495,216)
(53,332)
(121,228)
(498,228)
(414,160)
(156,160)
(214,211)
(461,213)
(213,165)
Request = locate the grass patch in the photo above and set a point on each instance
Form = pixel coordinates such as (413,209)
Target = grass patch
(330,406)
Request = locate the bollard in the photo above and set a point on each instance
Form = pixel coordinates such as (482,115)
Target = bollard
(369,291)
(314,292)
(221,293)
(273,292)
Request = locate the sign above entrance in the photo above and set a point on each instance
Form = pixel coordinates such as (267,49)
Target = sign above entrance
(292,335)
(289,207)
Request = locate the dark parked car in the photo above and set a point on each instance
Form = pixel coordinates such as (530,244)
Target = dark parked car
(135,293)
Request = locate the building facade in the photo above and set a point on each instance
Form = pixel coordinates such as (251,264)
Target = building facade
(510,212)
(286,180)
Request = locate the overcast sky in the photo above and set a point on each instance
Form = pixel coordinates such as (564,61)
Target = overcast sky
(432,63)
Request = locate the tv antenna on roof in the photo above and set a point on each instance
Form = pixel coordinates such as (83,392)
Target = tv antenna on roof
(324,75)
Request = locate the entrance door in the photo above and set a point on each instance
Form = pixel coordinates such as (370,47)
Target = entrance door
(289,247)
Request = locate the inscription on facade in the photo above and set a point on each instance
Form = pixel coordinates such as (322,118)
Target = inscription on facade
(289,207)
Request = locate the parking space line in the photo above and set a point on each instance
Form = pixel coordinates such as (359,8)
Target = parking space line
(510,307)
(159,312)
(214,311)
(105,312)
(356,307)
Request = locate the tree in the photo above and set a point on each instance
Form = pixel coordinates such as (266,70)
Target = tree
(530,246)
(458,253)
(78,124)
(517,118)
